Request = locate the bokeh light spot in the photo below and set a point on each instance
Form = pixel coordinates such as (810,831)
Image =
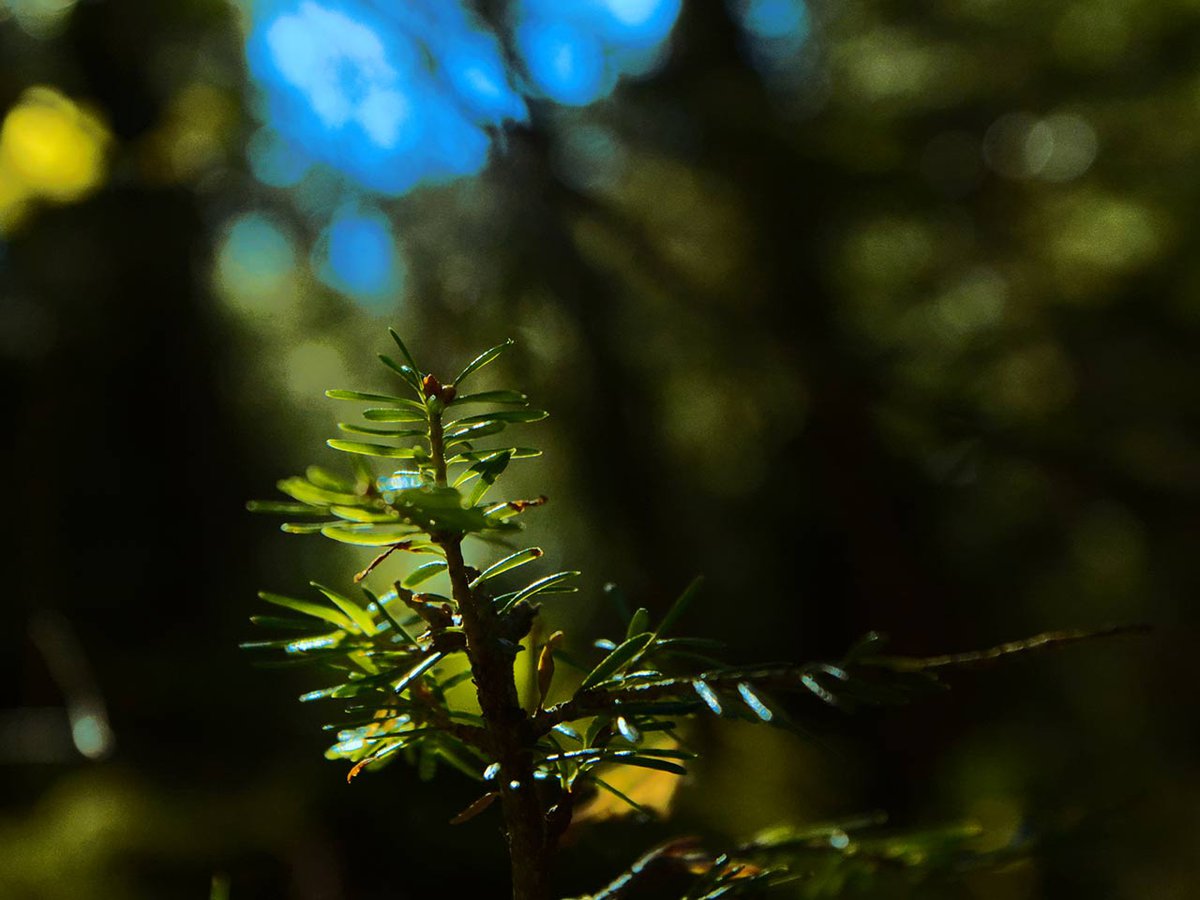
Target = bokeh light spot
(776,34)
(359,256)
(51,148)
(477,75)
(256,264)
(773,19)
(1074,147)
(574,53)
(391,101)
(1058,148)
(565,63)
(1104,232)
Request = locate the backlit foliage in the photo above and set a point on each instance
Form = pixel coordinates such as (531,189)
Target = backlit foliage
(427,467)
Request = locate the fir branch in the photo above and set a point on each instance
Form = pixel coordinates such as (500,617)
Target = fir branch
(508,726)
(1049,640)
(397,697)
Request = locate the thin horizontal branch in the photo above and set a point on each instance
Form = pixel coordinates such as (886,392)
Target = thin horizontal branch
(1050,640)
(596,701)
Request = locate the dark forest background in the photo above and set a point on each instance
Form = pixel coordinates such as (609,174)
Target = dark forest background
(899,331)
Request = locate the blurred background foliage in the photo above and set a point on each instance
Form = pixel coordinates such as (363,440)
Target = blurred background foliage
(880,315)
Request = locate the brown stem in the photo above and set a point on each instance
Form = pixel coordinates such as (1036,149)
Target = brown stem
(509,729)
(529,844)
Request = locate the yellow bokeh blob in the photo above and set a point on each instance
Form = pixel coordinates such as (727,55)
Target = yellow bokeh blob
(50,149)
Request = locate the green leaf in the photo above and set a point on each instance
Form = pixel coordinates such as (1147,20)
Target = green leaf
(475,808)
(491,465)
(417,671)
(423,573)
(549,583)
(520,558)
(504,415)
(306,492)
(352,428)
(282,508)
(334,617)
(477,455)
(392,620)
(479,491)
(622,656)
(594,729)
(455,680)
(367,535)
(409,374)
(488,471)
(331,481)
(307,644)
(364,476)
(680,606)
(360,515)
(755,703)
(357,614)
(628,730)
(404,352)
(564,729)
(482,360)
(284,622)
(639,623)
(691,643)
(648,756)
(514,397)
(473,432)
(440,509)
(662,707)
(708,695)
(612,790)
(430,498)
(648,762)
(365,397)
(661,752)
(389,414)
(302,527)
(321,693)
(381,450)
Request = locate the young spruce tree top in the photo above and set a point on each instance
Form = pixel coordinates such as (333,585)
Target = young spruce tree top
(398,655)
